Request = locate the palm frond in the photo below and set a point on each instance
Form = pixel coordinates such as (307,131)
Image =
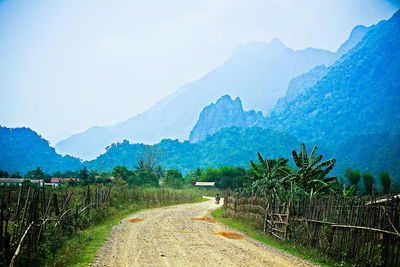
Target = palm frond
(313,151)
(315,160)
(296,159)
(303,153)
(264,162)
(326,163)
(329,179)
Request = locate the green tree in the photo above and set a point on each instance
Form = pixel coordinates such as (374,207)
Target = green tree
(386,182)
(194,176)
(210,175)
(3,174)
(58,174)
(231,177)
(143,177)
(368,182)
(16,175)
(121,172)
(353,176)
(37,173)
(174,179)
(84,174)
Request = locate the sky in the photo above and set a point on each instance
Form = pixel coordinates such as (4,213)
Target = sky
(66,66)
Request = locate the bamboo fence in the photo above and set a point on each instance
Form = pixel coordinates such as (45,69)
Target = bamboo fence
(361,231)
(35,221)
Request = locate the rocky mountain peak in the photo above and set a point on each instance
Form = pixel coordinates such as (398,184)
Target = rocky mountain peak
(226,112)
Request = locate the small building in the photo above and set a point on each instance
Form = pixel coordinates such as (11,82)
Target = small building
(161,181)
(19,181)
(208,185)
(54,182)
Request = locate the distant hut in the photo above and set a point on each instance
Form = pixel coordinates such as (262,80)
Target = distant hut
(207,185)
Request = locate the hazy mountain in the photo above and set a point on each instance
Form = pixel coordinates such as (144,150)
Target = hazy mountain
(226,112)
(352,107)
(357,95)
(258,73)
(356,35)
(23,150)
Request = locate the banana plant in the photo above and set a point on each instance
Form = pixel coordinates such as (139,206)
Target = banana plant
(311,175)
(270,177)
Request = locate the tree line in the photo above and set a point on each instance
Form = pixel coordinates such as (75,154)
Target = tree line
(308,176)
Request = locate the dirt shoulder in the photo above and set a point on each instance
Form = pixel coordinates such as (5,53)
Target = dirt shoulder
(185,235)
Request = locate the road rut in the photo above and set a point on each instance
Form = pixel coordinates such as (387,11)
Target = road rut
(185,235)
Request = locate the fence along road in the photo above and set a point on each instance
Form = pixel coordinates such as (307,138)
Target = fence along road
(185,235)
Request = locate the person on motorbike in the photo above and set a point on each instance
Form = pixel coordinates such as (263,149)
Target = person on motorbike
(217,198)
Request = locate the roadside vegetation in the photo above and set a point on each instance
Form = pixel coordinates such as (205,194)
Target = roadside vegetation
(42,220)
(332,217)
(312,255)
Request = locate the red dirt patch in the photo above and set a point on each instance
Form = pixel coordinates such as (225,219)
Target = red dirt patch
(230,235)
(134,220)
(206,219)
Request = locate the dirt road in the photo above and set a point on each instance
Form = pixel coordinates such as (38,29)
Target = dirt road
(185,235)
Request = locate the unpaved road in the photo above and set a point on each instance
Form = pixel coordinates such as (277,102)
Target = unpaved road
(185,235)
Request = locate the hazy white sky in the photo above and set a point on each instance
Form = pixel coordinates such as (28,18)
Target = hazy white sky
(68,65)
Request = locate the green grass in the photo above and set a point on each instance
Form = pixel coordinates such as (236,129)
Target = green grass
(305,253)
(82,248)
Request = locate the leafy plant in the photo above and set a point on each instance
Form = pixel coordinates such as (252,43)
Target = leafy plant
(346,193)
(310,178)
(270,177)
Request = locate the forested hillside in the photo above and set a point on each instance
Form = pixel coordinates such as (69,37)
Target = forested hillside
(23,149)
(358,95)
(354,108)
(232,146)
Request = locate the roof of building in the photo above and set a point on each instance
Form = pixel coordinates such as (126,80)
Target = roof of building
(18,180)
(62,180)
(11,180)
(205,184)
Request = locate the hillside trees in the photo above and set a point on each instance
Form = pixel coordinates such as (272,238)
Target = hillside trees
(368,182)
(121,172)
(4,174)
(225,176)
(174,179)
(386,182)
(353,176)
(37,173)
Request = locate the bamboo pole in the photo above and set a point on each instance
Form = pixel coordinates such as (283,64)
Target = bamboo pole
(19,245)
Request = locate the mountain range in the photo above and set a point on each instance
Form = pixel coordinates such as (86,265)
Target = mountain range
(258,73)
(350,108)
(23,150)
